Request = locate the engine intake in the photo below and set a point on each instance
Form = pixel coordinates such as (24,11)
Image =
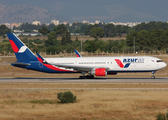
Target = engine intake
(99,72)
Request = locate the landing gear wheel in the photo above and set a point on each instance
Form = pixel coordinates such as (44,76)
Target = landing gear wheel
(153,72)
(81,77)
(87,77)
(92,76)
(153,77)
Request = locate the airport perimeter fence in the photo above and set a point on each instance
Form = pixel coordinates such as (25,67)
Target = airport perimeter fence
(94,54)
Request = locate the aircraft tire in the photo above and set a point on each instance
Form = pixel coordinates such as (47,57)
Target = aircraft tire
(81,77)
(89,77)
(153,77)
(92,76)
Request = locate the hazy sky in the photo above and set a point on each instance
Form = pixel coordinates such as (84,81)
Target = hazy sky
(107,10)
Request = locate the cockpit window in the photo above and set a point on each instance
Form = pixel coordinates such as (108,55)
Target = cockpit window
(159,61)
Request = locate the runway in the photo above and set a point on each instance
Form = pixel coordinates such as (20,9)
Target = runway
(77,80)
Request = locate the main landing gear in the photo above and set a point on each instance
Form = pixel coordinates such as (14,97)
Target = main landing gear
(153,76)
(87,77)
(83,76)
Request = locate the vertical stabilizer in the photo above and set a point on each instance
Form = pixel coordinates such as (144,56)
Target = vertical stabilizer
(22,52)
(77,53)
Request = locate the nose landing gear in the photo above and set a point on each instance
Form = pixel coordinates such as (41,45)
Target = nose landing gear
(153,76)
(86,77)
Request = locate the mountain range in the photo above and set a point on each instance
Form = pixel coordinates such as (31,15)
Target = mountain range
(24,13)
(78,10)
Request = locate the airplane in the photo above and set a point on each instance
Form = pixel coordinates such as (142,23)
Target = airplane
(87,66)
(77,53)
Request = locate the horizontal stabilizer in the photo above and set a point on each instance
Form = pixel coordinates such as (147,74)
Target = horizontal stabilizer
(19,64)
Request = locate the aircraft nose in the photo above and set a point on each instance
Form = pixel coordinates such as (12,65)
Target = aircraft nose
(164,64)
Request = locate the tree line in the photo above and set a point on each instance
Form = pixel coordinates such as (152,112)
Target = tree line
(150,26)
(110,30)
(153,39)
(156,39)
(150,36)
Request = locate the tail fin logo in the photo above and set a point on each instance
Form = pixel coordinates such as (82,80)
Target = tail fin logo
(16,49)
(121,64)
(22,49)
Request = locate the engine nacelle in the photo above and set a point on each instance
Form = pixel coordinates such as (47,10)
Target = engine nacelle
(99,72)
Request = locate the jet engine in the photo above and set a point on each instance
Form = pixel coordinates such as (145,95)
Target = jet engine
(99,72)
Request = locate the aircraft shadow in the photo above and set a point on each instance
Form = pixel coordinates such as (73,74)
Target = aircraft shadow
(96,78)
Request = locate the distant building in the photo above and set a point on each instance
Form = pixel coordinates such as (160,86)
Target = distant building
(36,23)
(55,22)
(85,22)
(70,24)
(92,23)
(130,24)
(28,34)
(111,23)
(65,23)
(19,24)
(14,24)
(18,31)
(7,25)
(35,31)
(97,22)
(75,34)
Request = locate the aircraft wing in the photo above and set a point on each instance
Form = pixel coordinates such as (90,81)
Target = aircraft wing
(79,68)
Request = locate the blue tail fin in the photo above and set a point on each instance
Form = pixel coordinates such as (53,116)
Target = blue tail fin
(22,52)
(77,53)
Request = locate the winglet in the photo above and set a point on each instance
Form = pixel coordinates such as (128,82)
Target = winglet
(77,53)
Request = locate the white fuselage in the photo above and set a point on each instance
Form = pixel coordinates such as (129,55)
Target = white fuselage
(116,64)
